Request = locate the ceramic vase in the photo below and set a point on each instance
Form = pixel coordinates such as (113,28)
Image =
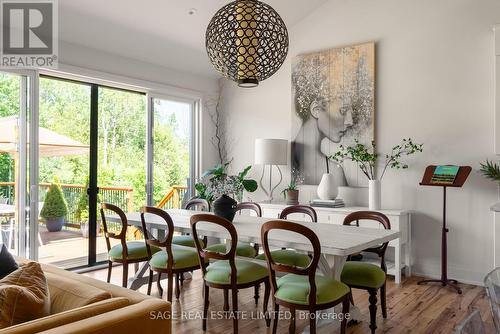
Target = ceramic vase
(292,197)
(225,207)
(374,195)
(327,188)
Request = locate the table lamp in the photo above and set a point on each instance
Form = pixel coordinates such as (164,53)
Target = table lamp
(271,152)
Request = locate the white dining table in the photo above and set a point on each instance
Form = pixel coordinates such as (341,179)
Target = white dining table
(337,241)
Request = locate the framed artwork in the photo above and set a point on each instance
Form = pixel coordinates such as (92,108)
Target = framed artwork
(333,94)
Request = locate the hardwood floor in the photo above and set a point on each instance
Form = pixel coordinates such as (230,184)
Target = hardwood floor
(411,308)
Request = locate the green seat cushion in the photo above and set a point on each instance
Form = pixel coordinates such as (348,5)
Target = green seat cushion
(135,250)
(295,289)
(362,274)
(184,257)
(289,257)
(242,249)
(186,240)
(219,272)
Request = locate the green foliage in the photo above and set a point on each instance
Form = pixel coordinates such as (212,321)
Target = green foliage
(295,180)
(367,158)
(217,182)
(490,170)
(55,205)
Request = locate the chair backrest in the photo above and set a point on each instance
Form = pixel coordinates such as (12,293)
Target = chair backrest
(492,284)
(152,241)
(305,209)
(274,267)
(123,232)
(206,255)
(250,206)
(355,217)
(472,324)
(197,204)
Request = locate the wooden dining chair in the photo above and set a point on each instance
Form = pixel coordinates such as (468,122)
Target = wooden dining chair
(289,256)
(227,272)
(185,239)
(302,288)
(126,252)
(242,249)
(171,259)
(367,276)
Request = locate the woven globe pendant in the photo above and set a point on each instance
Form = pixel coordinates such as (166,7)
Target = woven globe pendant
(247,42)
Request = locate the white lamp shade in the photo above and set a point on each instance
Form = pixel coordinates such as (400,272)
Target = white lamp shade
(271,151)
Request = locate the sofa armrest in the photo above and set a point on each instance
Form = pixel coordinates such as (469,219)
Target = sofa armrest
(151,316)
(67,317)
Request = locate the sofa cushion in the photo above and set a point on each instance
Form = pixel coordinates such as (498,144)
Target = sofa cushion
(67,294)
(66,317)
(24,295)
(7,262)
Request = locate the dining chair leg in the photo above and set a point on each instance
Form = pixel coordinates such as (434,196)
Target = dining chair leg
(276,317)
(125,275)
(158,284)
(383,301)
(345,310)
(177,288)
(373,309)
(182,279)
(291,329)
(110,267)
(206,291)
(150,281)
(267,292)
(170,286)
(235,310)
(226,300)
(312,322)
(256,294)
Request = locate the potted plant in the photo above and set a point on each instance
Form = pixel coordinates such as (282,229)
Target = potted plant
(291,192)
(54,208)
(219,188)
(367,158)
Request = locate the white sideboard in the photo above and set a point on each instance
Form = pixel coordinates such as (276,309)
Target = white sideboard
(400,221)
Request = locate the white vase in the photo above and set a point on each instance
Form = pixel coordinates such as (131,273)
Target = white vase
(327,188)
(374,195)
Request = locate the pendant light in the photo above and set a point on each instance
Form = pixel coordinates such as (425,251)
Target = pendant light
(247,42)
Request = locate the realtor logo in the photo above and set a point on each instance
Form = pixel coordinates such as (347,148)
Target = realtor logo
(29,33)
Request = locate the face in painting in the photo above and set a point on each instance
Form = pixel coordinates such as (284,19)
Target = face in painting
(331,124)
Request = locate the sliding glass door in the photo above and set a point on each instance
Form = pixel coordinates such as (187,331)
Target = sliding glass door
(15,119)
(172,152)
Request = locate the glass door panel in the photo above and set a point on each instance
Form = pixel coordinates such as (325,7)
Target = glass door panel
(172,170)
(121,170)
(64,149)
(14,160)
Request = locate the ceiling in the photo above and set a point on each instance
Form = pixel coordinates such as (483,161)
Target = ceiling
(160,32)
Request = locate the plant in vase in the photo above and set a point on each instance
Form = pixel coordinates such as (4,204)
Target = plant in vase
(54,207)
(220,189)
(366,158)
(291,192)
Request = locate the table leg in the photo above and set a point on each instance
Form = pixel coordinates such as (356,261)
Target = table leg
(397,262)
(138,280)
(331,266)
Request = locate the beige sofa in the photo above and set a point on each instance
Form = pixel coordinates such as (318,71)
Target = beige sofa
(80,304)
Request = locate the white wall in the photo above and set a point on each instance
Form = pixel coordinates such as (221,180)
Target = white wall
(173,82)
(435,83)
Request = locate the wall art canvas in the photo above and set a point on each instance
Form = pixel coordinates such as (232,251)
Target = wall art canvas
(333,94)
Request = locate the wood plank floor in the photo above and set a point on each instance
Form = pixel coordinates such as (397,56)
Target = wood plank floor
(412,308)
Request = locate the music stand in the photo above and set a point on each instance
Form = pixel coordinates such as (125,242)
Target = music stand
(462,174)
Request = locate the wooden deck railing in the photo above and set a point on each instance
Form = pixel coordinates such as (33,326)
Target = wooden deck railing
(120,196)
(173,198)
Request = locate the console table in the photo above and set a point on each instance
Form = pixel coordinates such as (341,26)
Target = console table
(400,221)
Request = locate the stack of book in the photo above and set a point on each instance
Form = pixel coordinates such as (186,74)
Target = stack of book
(329,203)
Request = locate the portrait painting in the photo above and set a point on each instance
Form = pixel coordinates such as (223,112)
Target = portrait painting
(333,104)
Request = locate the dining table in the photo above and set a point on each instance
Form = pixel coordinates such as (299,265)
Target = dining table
(337,241)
